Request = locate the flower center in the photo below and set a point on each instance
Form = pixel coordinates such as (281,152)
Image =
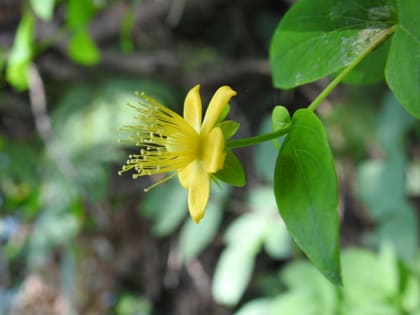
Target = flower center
(167,142)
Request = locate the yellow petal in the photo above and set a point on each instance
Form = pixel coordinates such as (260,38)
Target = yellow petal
(213,154)
(184,175)
(217,103)
(193,108)
(199,192)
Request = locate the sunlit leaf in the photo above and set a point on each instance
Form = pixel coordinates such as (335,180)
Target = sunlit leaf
(43,8)
(21,53)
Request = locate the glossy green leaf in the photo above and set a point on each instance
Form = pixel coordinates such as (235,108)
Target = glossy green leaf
(21,53)
(317,38)
(232,172)
(305,187)
(82,49)
(43,8)
(403,65)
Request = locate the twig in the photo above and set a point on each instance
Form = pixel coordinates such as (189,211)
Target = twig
(43,123)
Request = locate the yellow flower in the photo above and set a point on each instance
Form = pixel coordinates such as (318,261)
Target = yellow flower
(193,148)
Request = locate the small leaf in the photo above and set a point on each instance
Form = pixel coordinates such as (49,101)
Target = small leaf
(43,8)
(82,49)
(280,118)
(21,53)
(229,128)
(232,172)
(305,187)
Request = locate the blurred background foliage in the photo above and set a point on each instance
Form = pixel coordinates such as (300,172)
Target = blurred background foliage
(76,238)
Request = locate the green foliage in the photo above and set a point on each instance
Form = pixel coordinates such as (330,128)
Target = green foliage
(129,304)
(43,9)
(403,64)
(21,54)
(82,49)
(373,284)
(232,173)
(167,213)
(305,186)
(315,39)
(235,266)
(381,183)
(195,238)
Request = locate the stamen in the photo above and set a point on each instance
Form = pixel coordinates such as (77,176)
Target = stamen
(164,180)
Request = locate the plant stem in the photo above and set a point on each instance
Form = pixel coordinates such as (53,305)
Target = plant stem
(381,38)
(244,142)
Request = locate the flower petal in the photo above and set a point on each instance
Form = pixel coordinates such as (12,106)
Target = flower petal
(193,108)
(199,192)
(184,175)
(217,103)
(213,154)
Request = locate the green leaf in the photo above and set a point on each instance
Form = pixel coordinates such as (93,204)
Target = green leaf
(232,274)
(232,172)
(320,293)
(402,70)
(82,49)
(367,278)
(371,69)
(280,117)
(79,13)
(229,128)
(43,8)
(317,38)
(21,53)
(305,186)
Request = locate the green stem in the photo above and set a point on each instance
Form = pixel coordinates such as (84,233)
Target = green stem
(383,36)
(233,144)
(244,142)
